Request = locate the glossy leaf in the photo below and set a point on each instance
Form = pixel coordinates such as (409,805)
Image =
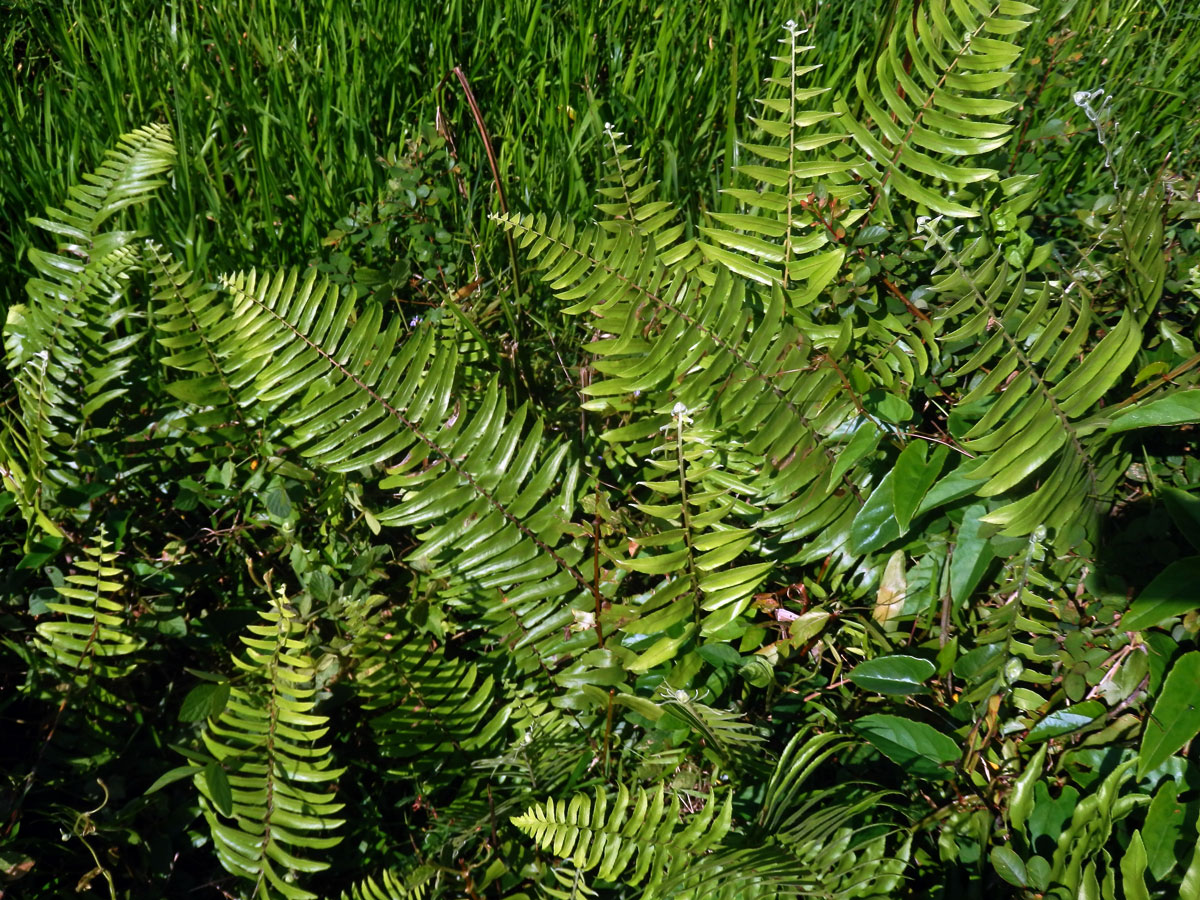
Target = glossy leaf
(1180,408)
(918,748)
(897,675)
(1171,593)
(1175,718)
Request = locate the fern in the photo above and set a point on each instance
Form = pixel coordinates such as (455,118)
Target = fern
(1042,381)
(638,839)
(94,638)
(425,705)
(69,346)
(266,786)
(389,887)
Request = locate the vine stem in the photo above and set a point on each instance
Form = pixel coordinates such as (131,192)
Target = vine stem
(510,313)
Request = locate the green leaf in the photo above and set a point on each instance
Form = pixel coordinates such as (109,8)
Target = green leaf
(1133,869)
(972,555)
(278,503)
(1172,593)
(204,700)
(919,748)
(1184,509)
(898,675)
(1064,721)
(1175,719)
(1181,408)
(1020,799)
(1164,829)
(719,655)
(320,585)
(219,791)
(875,524)
(170,777)
(888,407)
(914,478)
(872,234)
(1009,865)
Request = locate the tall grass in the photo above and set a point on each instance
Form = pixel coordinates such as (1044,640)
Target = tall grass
(280,110)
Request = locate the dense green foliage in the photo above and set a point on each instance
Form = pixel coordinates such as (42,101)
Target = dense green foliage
(808,515)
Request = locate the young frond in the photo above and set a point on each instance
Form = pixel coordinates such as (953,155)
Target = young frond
(267,791)
(91,635)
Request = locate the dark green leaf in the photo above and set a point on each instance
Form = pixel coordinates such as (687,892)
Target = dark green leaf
(897,675)
(972,555)
(204,700)
(872,234)
(1164,829)
(888,407)
(1184,509)
(919,748)
(875,524)
(1172,593)
(277,502)
(913,479)
(1009,865)
(171,776)
(1175,719)
(719,655)
(219,791)
(320,585)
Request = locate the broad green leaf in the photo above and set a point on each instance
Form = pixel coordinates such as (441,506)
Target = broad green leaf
(1164,829)
(919,748)
(1175,719)
(204,700)
(1009,865)
(720,655)
(972,555)
(1181,408)
(1133,869)
(1184,509)
(888,406)
(1171,593)
(218,791)
(897,674)
(1064,721)
(871,234)
(1020,799)
(875,524)
(914,476)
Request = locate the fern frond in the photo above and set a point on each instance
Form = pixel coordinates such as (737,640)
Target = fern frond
(69,346)
(722,729)
(638,838)
(777,239)
(1040,377)
(93,639)
(341,386)
(628,203)
(911,125)
(426,705)
(190,323)
(267,791)
(389,886)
